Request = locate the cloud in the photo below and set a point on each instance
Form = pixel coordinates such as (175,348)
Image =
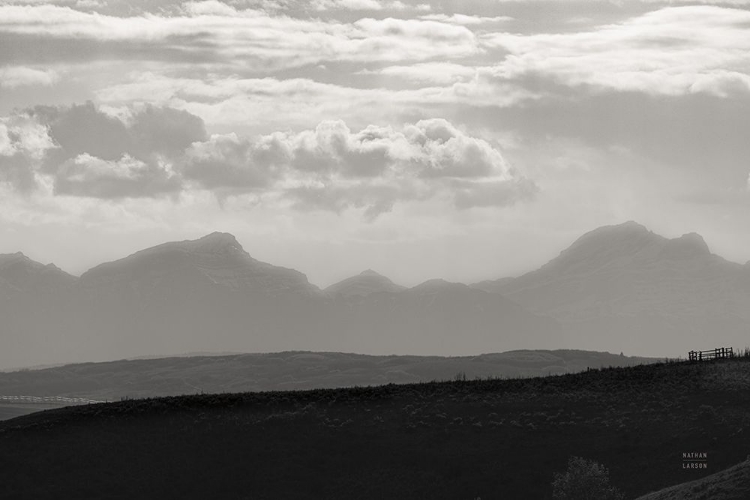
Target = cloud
(23,143)
(303,102)
(209,8)
(215,33)
(20,76)
(127,177)
(466,20)
(733,3)
(375,5)
(672,51)
(494,193)
(84,151)
(333,168)
(229,164)
(151,152)
(431,73)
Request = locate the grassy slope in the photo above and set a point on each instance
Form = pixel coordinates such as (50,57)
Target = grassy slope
(729,484)
(494,439)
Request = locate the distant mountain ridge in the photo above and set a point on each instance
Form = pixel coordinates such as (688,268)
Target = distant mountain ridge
(616,288)
(363,284)
(216,259)
(209,294)
(623,285)
(20,273)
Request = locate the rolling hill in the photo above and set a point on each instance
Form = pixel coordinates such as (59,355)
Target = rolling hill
(287,370)
(729,484)
(444,440)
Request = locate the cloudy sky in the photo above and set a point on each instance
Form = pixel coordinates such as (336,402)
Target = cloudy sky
(464,140)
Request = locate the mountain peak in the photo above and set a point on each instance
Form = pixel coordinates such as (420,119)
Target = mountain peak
(27,274)
(438,284)
(609,243)
(370,272)
(216,241)
(625,229)
(365,283)
(11,258)
(686,246)
(630,225)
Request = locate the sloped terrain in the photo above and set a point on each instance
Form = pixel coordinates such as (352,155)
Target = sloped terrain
(488,439)
(730,484)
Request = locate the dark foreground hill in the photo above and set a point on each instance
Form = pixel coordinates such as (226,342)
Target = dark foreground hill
(728,484)
(453,440)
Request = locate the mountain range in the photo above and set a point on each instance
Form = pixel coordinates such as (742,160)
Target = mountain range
(626,288)
(617,288)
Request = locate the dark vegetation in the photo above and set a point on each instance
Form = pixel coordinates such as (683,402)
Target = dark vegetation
(492,438)
(584,480)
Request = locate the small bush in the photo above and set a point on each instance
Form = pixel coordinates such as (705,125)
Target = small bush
(584,480)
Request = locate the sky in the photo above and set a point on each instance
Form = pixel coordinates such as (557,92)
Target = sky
(463,140)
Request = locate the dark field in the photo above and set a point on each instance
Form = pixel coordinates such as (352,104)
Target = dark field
(454,440)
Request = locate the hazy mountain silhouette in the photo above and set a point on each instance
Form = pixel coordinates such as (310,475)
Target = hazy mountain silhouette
(617,288)
(216,261)
(20,274)
(33,308)
(438,317)
(210,295)
(623,287)
(363,284)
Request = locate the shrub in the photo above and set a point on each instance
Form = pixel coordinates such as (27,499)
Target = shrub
(584,480)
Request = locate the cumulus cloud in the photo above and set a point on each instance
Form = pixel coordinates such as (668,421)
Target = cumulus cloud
(147,151)
(86,152)
(23,143)
(227,163)
(672,51)
(90,176)
(334,168)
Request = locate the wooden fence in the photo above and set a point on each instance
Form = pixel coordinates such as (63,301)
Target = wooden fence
(718,353)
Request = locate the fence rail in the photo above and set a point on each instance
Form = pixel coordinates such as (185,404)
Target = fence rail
(47,400)
(718,353)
